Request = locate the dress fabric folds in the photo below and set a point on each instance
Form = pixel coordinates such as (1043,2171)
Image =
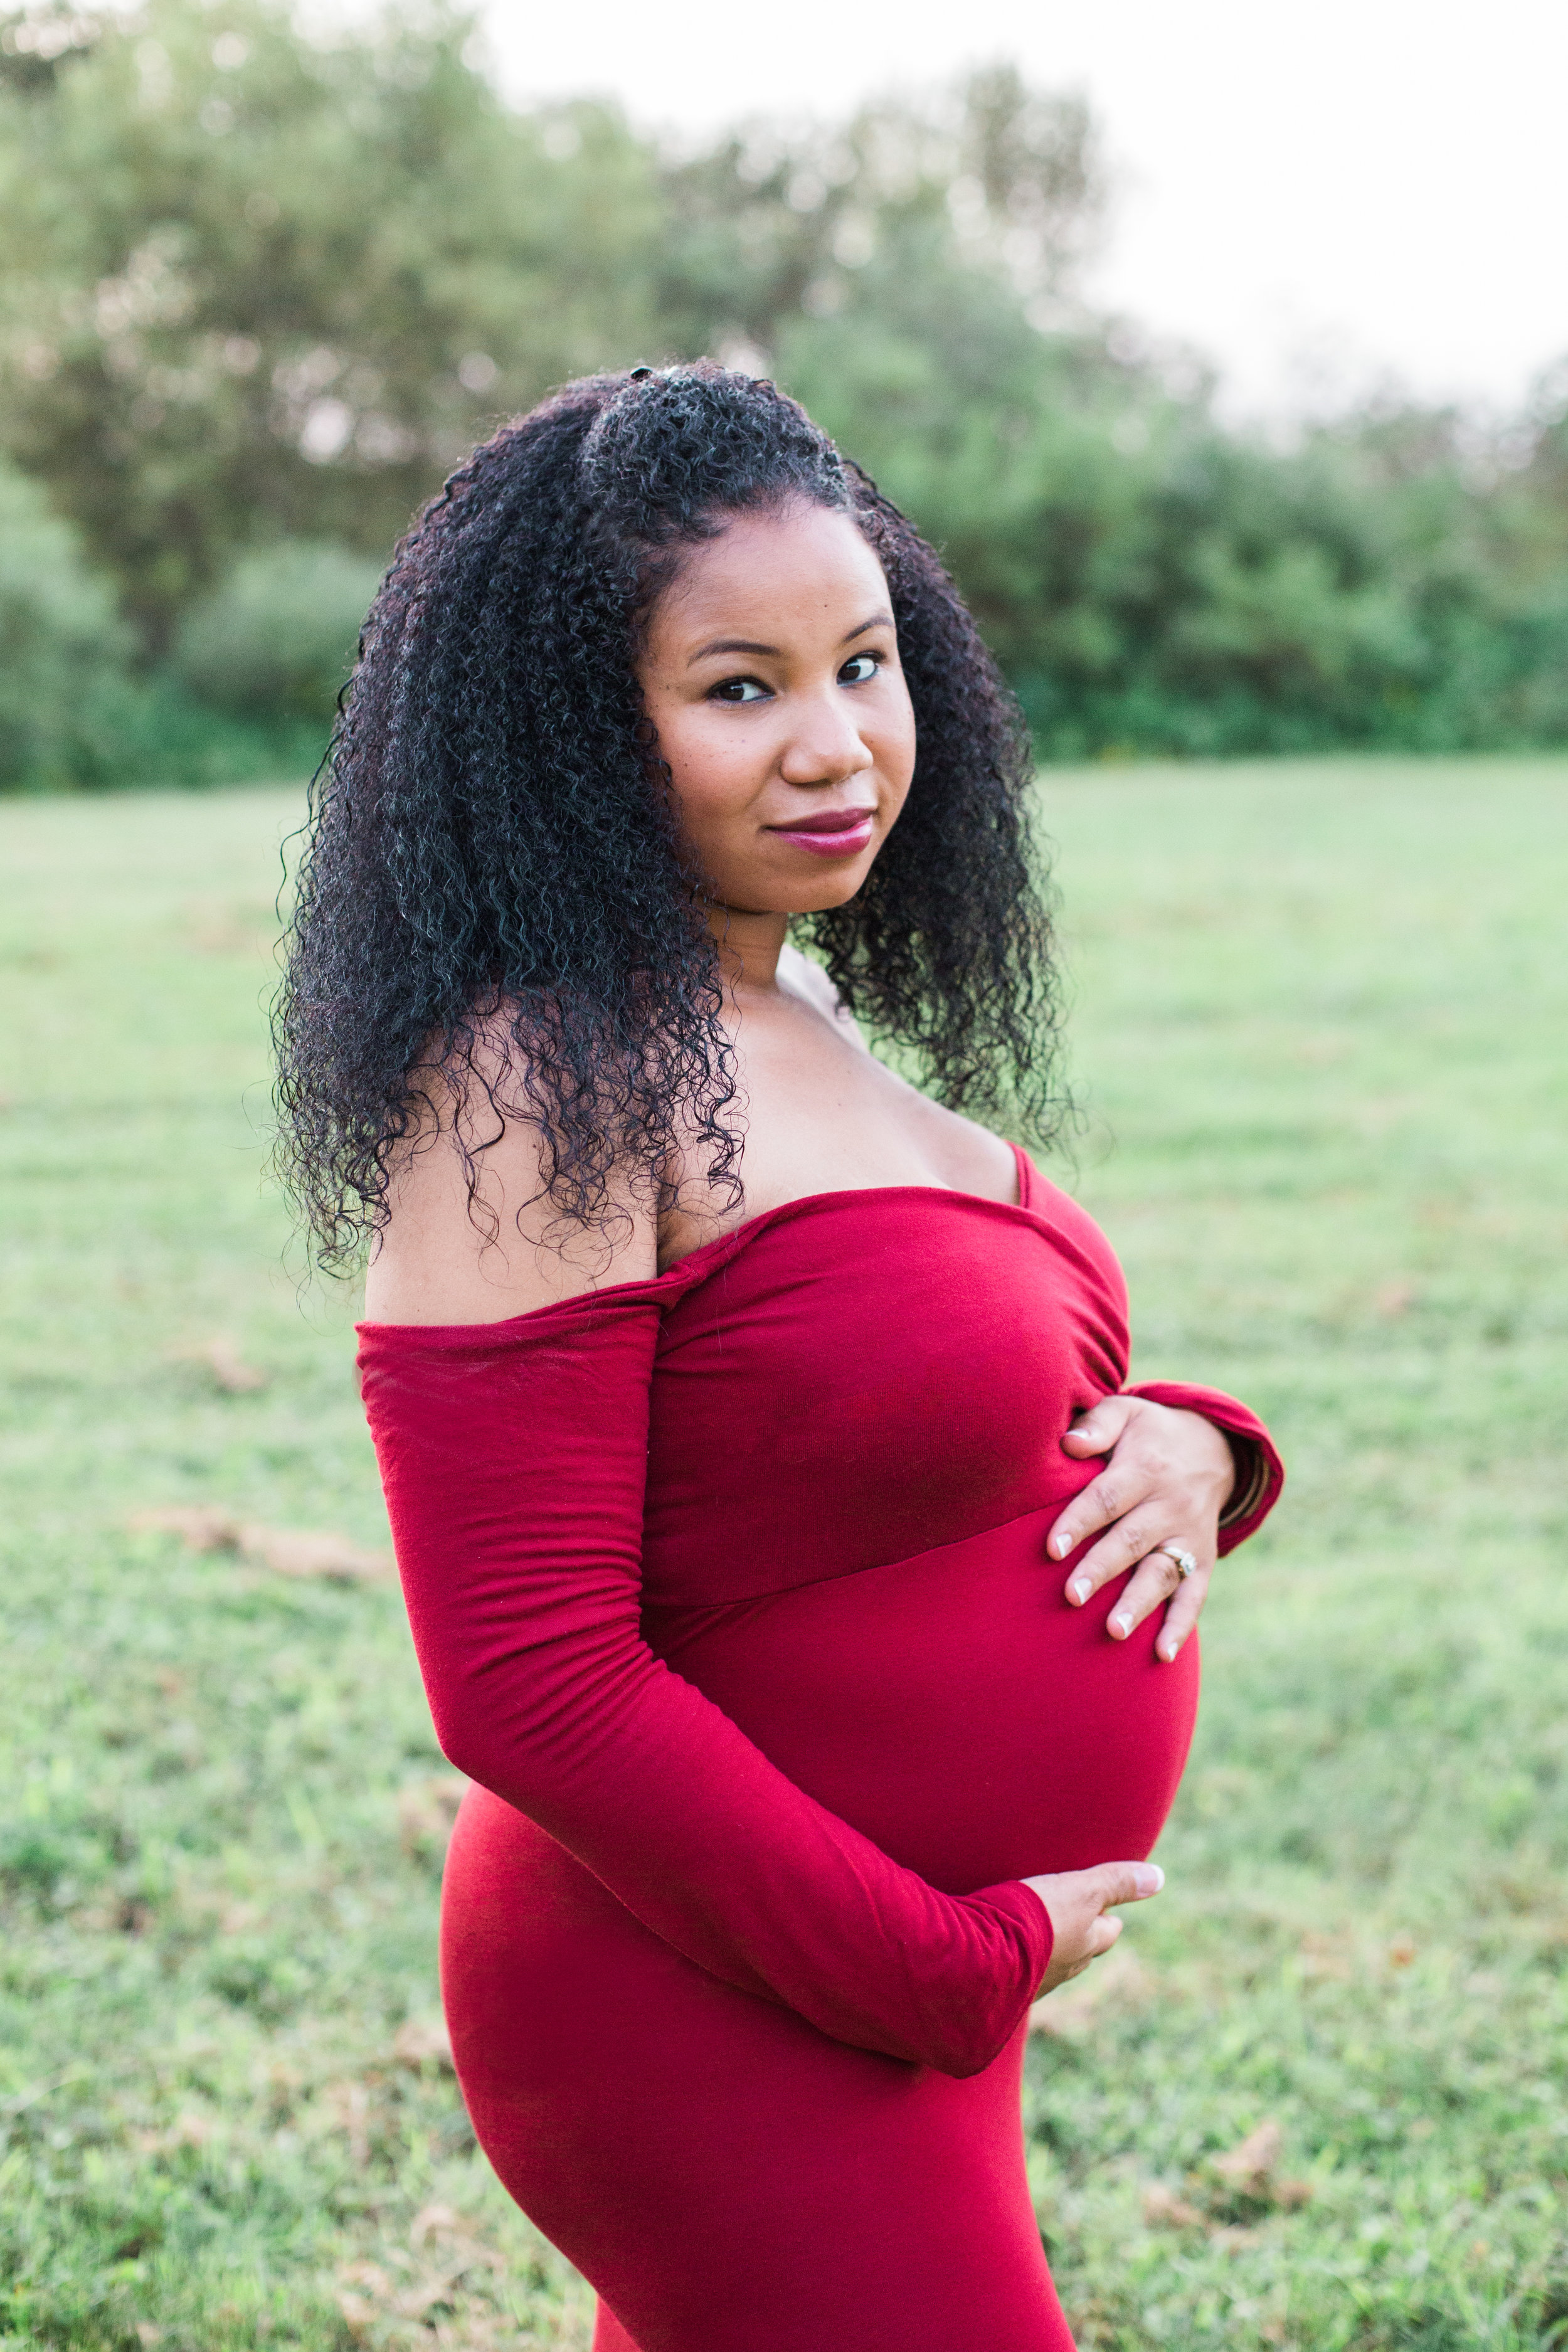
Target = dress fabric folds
(731,1596)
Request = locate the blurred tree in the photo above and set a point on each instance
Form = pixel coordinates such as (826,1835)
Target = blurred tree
(260,293)
(256,286)
(991,185)
(62,649)
(277,639)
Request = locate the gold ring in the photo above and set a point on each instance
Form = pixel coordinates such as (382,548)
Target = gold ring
(1186,1565)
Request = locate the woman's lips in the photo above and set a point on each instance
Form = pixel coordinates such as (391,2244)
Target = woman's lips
(838,833)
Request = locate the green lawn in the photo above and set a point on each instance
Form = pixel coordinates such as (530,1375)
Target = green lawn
(1322,1013)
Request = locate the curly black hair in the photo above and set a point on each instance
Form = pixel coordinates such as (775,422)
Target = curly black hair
(492,847)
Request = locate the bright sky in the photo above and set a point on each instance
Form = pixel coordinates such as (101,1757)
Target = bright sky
(1317,196)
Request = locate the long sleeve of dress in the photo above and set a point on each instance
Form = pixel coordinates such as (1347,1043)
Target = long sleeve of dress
(513,1457)
(1259,1472)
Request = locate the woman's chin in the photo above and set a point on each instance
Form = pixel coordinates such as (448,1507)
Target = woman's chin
(800,894)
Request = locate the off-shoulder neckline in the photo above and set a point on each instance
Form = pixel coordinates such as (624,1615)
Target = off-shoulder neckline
(689,1269)
(1026,1176)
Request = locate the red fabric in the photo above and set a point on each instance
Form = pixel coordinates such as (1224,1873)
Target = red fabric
(731,1596)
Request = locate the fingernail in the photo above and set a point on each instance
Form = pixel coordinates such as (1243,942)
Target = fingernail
(1061,1545)
(1121,1627)
(1151,1878)
(1080,1590)
(1168,1650)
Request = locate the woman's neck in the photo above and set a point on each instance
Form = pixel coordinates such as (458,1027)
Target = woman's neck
(750,945)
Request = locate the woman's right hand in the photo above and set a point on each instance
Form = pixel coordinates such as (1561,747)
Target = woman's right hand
(1078,1901)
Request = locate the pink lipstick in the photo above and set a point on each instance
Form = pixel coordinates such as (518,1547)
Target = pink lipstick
(830,833)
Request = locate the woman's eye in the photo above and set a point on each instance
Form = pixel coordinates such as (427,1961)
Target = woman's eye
(739,689)
(859,668)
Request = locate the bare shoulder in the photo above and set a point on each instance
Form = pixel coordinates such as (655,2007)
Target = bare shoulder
(799,977)
(471,1235)
(974,1158)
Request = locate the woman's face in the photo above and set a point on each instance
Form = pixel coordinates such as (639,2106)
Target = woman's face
(771,671)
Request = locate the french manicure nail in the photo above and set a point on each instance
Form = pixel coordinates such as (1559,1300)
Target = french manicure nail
(1079,1588)
(1120,1626)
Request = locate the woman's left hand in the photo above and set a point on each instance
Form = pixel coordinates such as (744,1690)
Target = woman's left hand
(1169,1477)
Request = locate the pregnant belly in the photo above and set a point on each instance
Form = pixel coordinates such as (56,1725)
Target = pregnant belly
(955,1708)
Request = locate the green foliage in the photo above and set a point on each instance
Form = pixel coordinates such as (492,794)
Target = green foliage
(1151,582)
(263,288)
(62,647)
(1318,1035)
(276,639)
(73,712)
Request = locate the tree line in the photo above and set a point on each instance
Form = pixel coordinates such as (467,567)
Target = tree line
(260,292)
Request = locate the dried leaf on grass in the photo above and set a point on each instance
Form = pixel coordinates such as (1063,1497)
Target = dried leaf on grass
(358,2313)
(187,2130)
(1249,2164)
(1163,2210)
(367,2275)
(287,1552)
(291,1552)
(229,1368)
(443,2254)
(1250,2169)
(205,1527)
(418,2041)
(432,2220)
(1327,1956)
(414,2301)
(1248,2172)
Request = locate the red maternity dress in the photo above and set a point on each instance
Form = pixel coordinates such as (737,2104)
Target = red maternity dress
(730,1595)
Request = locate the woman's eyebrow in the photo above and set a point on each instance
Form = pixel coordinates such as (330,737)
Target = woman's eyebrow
(749,645)
(731,646)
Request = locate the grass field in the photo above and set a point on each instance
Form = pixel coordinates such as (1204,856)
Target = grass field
(1319,1030)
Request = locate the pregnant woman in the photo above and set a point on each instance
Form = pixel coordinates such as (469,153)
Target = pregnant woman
(741,1407)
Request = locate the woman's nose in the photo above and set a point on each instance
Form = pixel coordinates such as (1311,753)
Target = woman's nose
(826,746)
